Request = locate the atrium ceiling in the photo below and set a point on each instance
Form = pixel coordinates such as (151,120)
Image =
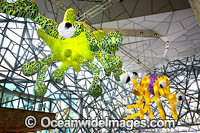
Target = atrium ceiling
(172,21)
(120,9)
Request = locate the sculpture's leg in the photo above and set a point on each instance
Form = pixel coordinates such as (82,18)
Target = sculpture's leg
(143,89)
(117,74)
(102,58)
(48,60)
(165,92)
(110,63)
(156,98)
(31,68)
(139,105)
(77,61)
(145,84)
(132,116)
(95,90)
(107,71)
(40,88)
(160,108)
(172,99)
(94,70)
(58,74)
(150,112)
(132,106)
(147,107)
(174,113)
(115,66)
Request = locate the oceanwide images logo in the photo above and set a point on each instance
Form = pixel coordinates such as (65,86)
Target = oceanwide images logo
(30,121)
(46,122)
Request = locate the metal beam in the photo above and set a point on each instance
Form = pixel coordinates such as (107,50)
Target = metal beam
(94,11)
(134,59)
(135,32)
(59,4)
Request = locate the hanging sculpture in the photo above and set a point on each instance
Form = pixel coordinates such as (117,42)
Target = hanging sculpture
(157,86)
(73,43)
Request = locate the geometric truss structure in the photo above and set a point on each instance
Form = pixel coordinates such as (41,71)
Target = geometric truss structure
(19,43)
(184,75)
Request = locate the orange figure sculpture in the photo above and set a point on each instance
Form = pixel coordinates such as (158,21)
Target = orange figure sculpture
(160,87)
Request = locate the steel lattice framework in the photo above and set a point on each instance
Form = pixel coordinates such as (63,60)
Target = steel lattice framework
(20,43)
(184,75)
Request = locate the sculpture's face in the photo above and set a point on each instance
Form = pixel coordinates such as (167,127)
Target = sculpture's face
(66,29)
(180,97)
(124,78)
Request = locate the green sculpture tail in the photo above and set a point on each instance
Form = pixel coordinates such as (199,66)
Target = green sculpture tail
(20,8)
(29,9)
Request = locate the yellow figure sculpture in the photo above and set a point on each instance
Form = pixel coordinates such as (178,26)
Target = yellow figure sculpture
(71,51)
(157,86)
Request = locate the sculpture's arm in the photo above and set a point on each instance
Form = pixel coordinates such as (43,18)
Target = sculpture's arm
(111,42)
(94,69)
(165,92)
(157,99)
(50,41)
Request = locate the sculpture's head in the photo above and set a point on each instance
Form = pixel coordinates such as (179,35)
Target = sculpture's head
(124,78)
(67,28)
(180,97)
(164,89)
(162,85)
